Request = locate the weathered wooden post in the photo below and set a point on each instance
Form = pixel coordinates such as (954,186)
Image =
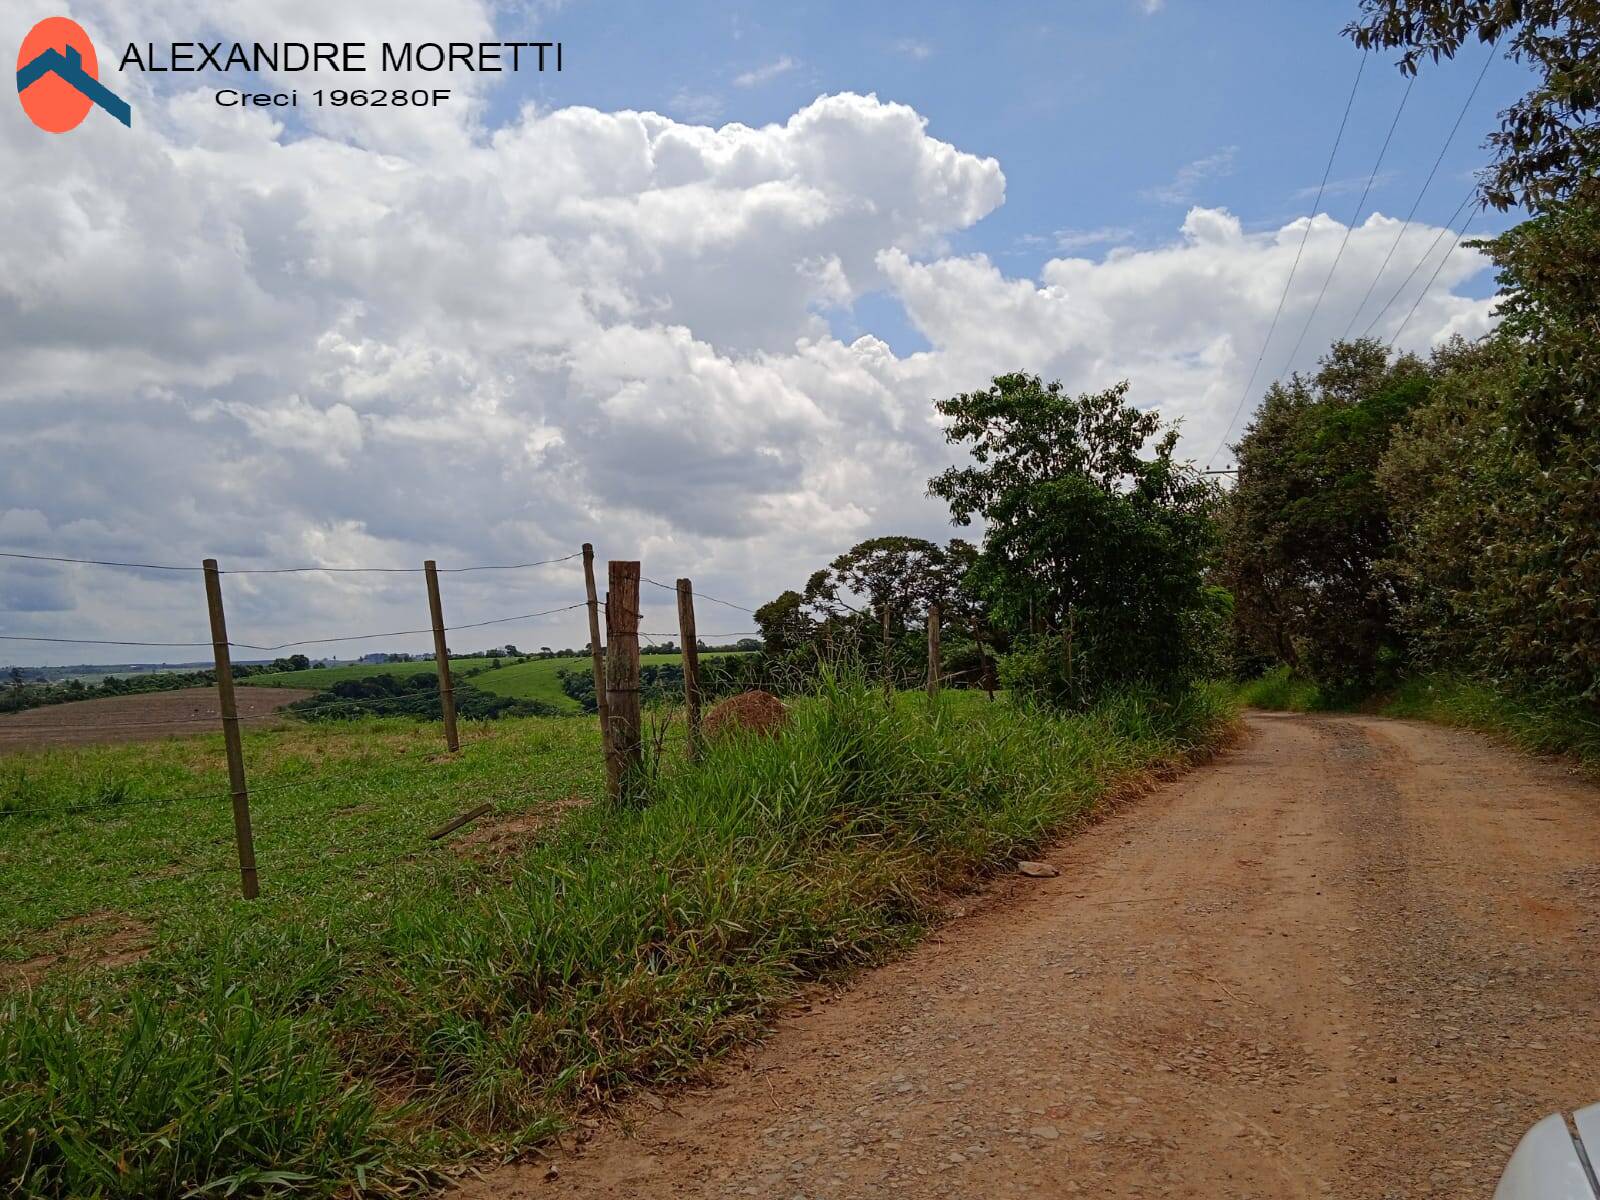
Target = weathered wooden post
(622,672)
(888,659)
(934,664)
(597,658)
(223,662)
(691,663)
(441,654)
(985,663)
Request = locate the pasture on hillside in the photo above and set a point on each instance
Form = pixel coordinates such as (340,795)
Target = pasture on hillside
(539,679)
(323,677)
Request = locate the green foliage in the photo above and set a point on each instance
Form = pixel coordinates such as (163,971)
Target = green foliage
(325,677)
(415,696)
(1548,143)
(339,1039)
(784,623)
(895,582)
(1095,538)
(662,682)
(1307,529)
(1495,483)
(1542,726)
(1281,690)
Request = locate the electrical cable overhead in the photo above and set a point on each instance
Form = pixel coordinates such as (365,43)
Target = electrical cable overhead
(1350,228)
(1417,266)
(702,596)
(1472,216)
(544,562)
(1415,204)
(144,566)
(358,637)
(95,562)
(1289,282)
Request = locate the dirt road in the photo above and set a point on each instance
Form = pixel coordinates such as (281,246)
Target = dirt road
(1351,957)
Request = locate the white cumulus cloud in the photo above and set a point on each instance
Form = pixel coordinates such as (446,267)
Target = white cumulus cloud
(374,342)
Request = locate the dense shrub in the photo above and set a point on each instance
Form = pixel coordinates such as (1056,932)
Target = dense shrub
(415,696)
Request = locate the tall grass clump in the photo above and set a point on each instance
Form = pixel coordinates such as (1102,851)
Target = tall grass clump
(475,1006)
(1281,690)
(1542,726)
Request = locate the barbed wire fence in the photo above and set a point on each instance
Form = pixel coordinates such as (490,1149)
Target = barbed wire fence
(615,662)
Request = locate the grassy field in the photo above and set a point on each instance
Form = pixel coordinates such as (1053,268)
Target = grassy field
(538,680)
(321,677)
(391,1004)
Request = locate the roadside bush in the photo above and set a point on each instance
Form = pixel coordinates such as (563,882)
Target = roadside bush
(415,696)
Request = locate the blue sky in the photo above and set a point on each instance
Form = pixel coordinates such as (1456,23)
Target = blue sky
(491,332)
(1109,117)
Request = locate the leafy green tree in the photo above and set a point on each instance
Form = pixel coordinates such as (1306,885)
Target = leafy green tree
(784,623)
(1495,484)
(1096,540)
(901,574)
(1548,143)
(1306,530)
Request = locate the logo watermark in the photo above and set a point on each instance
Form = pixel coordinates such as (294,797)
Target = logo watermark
(58,78)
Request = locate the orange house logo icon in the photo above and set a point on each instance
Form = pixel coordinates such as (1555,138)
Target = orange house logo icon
(58,77)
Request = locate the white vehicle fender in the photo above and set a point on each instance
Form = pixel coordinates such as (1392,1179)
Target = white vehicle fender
(1548,1165)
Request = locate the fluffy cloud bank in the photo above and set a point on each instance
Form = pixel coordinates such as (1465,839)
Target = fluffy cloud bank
(324,344)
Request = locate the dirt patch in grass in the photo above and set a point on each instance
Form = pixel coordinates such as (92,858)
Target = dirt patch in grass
(495,836)
(138,718)
(97,939)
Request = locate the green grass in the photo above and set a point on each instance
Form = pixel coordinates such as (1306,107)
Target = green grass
(1280,690)
(535,680)
(1541,727)
(390,1005)
(321,677)
(538,680)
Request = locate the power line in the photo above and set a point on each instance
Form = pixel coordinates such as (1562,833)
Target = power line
(544,562)
(1427,286)
(357,637)
(1417,266)
(1289,282)
(353,637)
(1415,204)
(10,637)
(95,562)
(1350,228)
(144,566)
(703,596)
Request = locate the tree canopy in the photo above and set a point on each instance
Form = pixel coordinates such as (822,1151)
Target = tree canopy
(1548,142)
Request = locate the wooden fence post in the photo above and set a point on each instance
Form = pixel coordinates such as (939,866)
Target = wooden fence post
(888,658)
(985,663)
(223,663)
(441,654)
(598,660)
(934,664)
(622,672)
(691,663)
